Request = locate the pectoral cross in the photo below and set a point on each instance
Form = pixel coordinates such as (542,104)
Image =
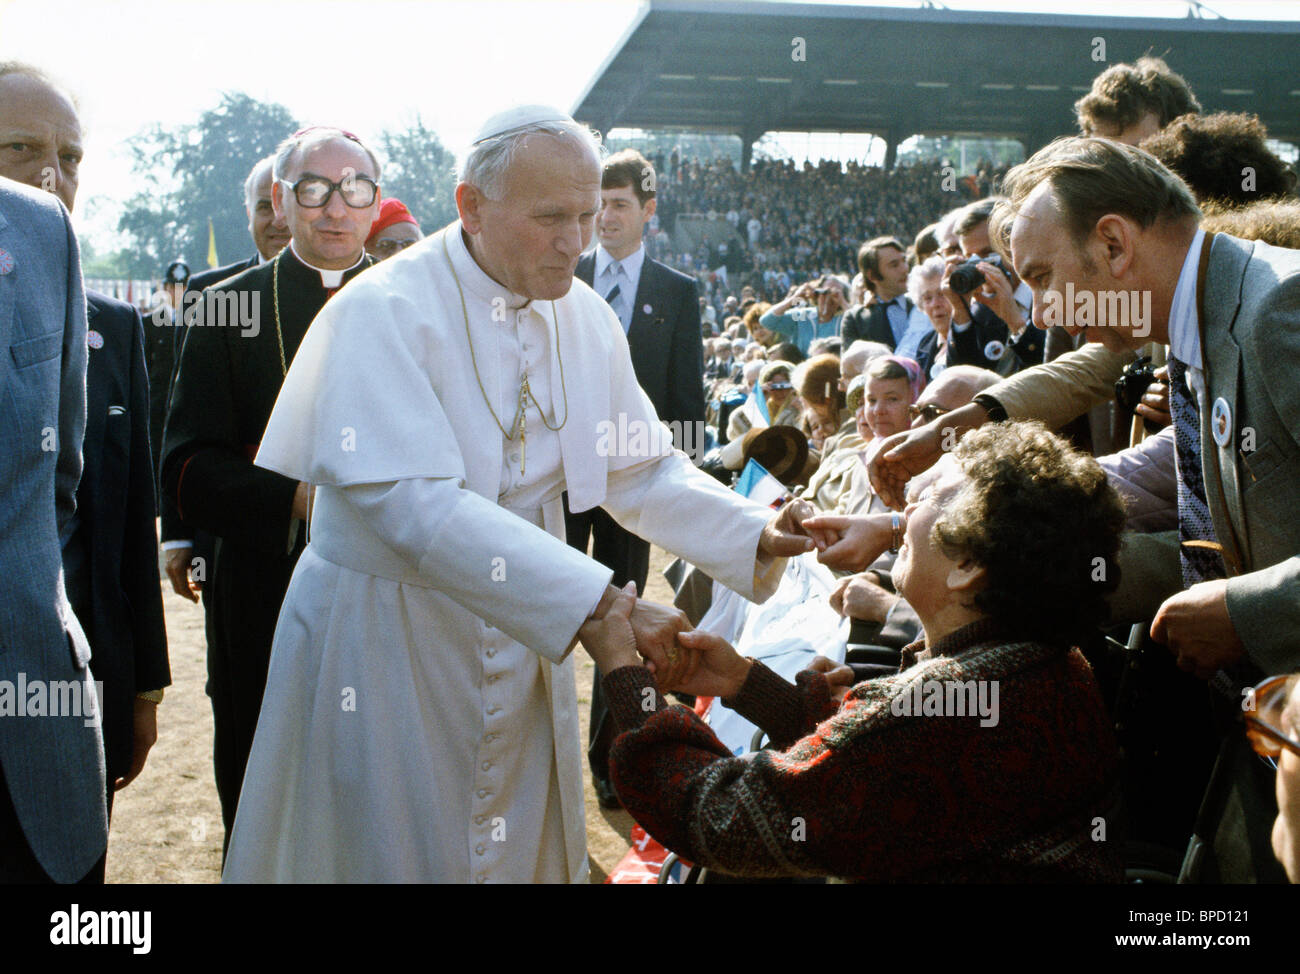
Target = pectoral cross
(521,424)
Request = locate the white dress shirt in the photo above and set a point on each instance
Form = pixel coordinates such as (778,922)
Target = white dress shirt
(628,280)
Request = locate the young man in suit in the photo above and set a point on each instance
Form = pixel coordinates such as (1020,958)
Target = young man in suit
(659,309)
(110,553)
(884,317)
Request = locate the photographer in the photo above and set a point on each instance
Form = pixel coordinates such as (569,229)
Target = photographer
(992,309)
(810,311)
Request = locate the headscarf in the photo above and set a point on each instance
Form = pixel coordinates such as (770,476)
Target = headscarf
(915,375)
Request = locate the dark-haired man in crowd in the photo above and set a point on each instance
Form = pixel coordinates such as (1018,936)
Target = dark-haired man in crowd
(243,337)
(884,317)
(992,325)
(659,310)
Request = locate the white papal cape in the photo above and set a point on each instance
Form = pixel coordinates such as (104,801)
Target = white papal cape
(420,718)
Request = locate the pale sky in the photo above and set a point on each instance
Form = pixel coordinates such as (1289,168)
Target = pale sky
(361,65)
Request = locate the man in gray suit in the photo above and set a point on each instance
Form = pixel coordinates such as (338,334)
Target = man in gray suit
(1109,220)
(53,821)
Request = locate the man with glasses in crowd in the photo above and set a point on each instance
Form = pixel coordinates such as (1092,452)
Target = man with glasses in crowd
(244,335)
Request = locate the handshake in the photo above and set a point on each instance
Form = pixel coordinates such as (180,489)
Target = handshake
(628,631)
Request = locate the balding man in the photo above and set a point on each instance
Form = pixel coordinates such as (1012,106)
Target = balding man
(270,235)
(110,548)
(244,334)
(421,717)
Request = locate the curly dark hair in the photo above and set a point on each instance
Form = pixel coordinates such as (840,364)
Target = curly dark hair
(1123,93)
(1044,522)
(1209,152)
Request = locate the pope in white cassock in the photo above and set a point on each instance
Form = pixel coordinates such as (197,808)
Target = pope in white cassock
(420,719)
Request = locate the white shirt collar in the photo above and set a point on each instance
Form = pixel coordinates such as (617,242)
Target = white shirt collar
(328,279)
(1184,322)
(631,265)
(1024,296)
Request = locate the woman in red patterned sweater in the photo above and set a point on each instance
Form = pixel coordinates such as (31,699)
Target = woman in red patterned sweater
(988,758)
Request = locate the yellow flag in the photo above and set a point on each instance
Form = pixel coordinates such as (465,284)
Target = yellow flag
(212,246)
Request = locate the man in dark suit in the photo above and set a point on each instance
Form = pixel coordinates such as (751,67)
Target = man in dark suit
(884,316)
(659,309)
(188,555)
(992,325)
(326,187)
(110,550)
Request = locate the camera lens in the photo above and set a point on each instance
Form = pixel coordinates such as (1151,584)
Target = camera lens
(966,278)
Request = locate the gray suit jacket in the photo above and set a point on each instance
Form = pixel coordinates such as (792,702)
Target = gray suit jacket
(1252,357)
(1251,352)
(54,765)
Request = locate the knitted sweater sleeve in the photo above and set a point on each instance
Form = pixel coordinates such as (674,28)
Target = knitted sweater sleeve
(756,815)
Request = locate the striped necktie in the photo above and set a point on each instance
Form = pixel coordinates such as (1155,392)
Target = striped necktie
(1199,564)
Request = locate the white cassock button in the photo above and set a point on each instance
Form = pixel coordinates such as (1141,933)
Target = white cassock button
(494,677)
(480,850)
(489,738)
(491,653)
(486,765)
(480,819)
(482,878)
(483,793)
(514,458)
(493,711)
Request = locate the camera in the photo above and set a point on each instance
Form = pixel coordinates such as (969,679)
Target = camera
(1132,385)
(966,276)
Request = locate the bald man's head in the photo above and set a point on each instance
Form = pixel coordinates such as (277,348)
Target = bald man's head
(40,132)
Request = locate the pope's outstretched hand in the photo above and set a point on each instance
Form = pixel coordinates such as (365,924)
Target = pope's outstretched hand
(785,536)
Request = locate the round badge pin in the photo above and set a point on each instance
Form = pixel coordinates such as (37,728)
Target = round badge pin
(6,262)
(94,339)
(645,308)
(994,350)
(1221,422)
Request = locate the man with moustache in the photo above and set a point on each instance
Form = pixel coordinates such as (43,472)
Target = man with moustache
(421,715)
(244,334)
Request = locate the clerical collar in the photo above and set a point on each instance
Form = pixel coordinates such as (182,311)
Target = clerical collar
(1184,322)
(330,280)
(476,280)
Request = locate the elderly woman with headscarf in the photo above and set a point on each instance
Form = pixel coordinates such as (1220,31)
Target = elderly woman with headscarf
(988,757)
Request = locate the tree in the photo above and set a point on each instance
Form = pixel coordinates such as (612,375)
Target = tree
(191,174)
(420,171)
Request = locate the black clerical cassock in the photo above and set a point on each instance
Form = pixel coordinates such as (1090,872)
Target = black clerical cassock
(233,361)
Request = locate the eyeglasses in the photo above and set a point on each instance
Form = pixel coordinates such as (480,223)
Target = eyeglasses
(930,413)
(1263,707)
(386,248)
(776,386)
(313,192)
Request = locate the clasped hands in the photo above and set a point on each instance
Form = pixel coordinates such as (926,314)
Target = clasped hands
(628,631)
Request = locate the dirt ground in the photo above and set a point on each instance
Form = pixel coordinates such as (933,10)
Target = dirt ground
(167,824)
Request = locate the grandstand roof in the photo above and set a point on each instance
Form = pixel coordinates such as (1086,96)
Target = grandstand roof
(898,72)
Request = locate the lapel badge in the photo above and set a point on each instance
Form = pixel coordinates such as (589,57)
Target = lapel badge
(6,261)
(1221,422)
(94,339)
(646,309)
(994,350)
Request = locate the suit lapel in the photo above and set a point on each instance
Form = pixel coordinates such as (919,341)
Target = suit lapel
(8,289)
(1218,295)
(644,328)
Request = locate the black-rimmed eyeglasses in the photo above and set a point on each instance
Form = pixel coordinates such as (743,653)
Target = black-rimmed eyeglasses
(313,192)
